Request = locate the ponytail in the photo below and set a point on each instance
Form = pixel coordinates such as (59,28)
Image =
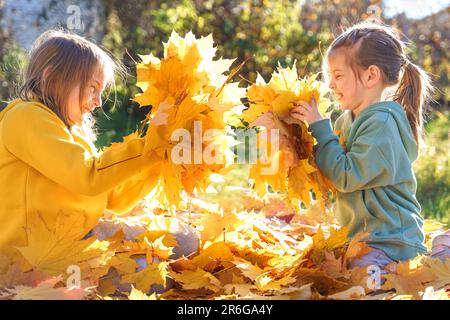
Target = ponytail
(414,89)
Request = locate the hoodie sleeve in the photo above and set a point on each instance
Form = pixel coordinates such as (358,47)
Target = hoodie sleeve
(368,163)
(125,196)
(40,139)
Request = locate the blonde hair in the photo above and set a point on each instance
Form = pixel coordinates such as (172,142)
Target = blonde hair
(68,60)
(373,43)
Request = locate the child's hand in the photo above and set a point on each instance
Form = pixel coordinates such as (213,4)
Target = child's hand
(302,111)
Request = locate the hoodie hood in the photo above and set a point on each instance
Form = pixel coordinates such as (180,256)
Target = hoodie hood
(8,107)
(404,128)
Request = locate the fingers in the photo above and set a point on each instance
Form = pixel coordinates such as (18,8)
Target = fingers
(297,114)
(300,103)
(314,103)
(296,109)
(301,109)
(306,104)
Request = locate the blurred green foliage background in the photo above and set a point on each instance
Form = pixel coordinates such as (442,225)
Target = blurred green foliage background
(265,33)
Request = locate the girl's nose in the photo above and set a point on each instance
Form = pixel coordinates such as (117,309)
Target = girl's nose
(97,101)
(331,85)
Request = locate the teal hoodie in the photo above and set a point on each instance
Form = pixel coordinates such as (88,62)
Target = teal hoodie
(374,178)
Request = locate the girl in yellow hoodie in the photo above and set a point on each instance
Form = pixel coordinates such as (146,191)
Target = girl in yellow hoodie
(48,163)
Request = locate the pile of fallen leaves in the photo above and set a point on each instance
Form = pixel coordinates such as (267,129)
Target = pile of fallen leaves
(227,255)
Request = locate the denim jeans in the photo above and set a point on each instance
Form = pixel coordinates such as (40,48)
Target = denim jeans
(375,257)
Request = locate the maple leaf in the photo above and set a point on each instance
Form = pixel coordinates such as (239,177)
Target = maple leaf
(431,226)
(431,294)
(334,266)
(106,287)
(336,239)
(215,224)
(439,269)
(132,136)
(45,290)
(321,280)
(297,292)
(266,282)
(357,248)
(213,255)
(248,269)
(136,294)
(153,274)
(241,290)
(198,279)
(13,275)
(351,293)
(157,249)
(408,277)
(122,262)
(53,249)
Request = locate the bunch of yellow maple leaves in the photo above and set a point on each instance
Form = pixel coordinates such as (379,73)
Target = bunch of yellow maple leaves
(269,109)
(193,104)
(241,255)
(188,91)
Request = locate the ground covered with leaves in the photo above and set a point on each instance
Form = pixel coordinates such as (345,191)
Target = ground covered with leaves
(240,254)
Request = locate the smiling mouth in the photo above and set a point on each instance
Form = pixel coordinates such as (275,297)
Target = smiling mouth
(338,96)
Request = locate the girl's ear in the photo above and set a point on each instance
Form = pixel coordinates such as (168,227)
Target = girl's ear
(46,72)
(372,76)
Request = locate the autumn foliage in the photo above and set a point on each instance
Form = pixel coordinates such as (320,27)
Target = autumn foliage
(246,248)
(241,255)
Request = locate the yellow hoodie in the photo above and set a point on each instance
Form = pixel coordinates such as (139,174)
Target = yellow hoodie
(46,169)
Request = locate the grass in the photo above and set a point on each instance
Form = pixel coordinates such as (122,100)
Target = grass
(433,170)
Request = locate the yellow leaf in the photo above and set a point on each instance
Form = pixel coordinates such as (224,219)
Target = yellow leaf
(157,249)
(45,291)
(266,283)
(136,294)
(248,269)
(283,103)
(357,248)
(439,269)
(198,279)
(214,253)
(215,224)
(408,277)
(53,249)
(349,294)
(242,290)
(153,274)
(431,226)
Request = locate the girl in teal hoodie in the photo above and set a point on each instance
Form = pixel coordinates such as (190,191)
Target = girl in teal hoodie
(373,172)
